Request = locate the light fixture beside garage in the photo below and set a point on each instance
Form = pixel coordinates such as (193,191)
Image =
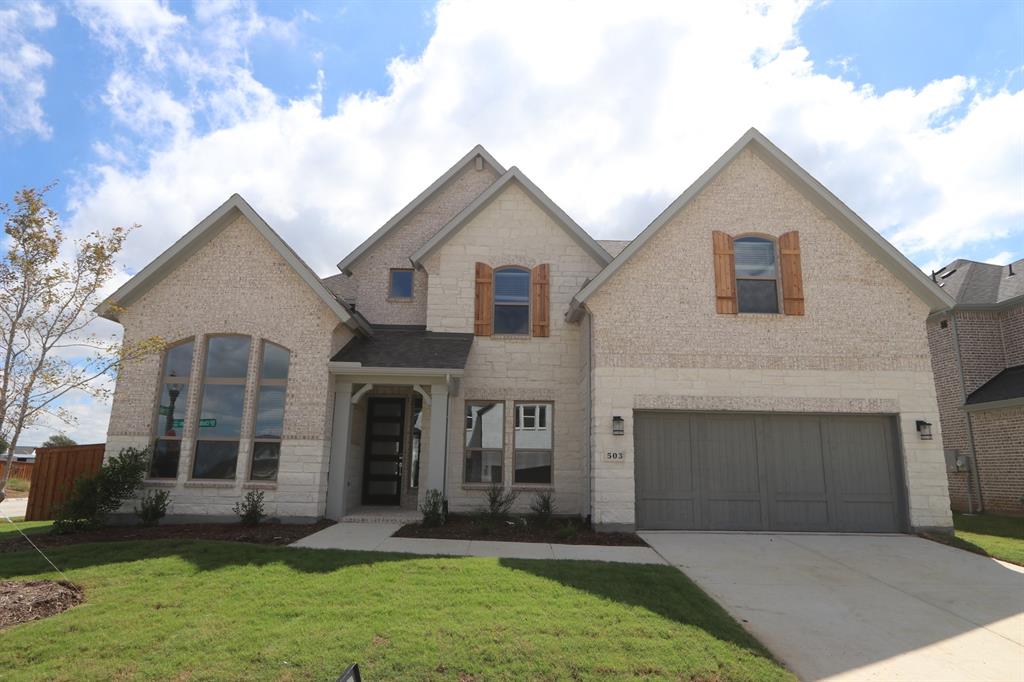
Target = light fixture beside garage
(618,426)
(924,429)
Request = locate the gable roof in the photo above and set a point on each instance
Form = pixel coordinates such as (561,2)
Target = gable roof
(551,208)
(815,192)
(436,186)
(200,235)
(977,285)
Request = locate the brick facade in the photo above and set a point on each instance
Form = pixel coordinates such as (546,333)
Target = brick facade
(659,344)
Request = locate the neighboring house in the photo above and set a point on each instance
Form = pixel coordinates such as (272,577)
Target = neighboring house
(24,453)
(755,359)
(978,360)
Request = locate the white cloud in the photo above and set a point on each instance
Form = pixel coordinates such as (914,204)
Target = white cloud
(22,63)
(1001,258)
(144,24)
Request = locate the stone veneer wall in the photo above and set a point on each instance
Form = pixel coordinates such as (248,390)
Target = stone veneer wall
(371,273)
(515,230)
(658,342)
(237,284)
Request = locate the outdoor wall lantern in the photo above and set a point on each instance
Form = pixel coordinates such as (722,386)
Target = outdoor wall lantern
(924,429)
(618,426)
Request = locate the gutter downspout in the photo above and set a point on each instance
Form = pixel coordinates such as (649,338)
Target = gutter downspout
(972,474)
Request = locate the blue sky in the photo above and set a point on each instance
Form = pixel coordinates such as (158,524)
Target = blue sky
(328,117)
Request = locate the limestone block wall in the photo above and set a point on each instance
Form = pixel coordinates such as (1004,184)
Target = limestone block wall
(860,347)
(236,284)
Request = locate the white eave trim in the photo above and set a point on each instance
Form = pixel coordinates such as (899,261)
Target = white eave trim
(356,369)
(200,235)
(478,151)
(551,208)
(854,225)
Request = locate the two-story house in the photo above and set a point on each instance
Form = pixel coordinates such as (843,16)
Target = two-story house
(977,352)
(755,359)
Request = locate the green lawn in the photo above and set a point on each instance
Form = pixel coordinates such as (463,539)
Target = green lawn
(1001,537)
(9,530)
(212,610)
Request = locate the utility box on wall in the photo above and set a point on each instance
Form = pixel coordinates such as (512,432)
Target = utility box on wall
(956,462)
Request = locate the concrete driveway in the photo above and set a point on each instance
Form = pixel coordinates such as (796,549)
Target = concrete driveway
(863,607)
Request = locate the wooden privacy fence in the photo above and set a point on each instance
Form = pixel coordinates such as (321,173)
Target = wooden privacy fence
(54,474)
(18,470)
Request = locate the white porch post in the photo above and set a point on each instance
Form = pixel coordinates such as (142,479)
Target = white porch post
(339,450)
(436,455)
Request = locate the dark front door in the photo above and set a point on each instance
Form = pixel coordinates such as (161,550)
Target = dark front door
(382,468)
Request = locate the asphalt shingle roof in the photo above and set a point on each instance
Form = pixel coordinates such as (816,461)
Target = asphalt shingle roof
(974,283)
(1006,385)
(407,346)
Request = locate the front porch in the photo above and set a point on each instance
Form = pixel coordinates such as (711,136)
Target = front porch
(389,440)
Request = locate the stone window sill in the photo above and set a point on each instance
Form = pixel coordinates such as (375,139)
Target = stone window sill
(395,299)
(476,486)
(209,484)
(512,337)
(259,485)
(534,487)
(160,483)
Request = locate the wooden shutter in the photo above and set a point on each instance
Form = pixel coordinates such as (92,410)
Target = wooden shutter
(792,277)
(725,274)
(483,319)
(541,300)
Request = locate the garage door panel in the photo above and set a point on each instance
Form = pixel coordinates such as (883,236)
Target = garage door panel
(732,513)
(795,465)
(666,476)
(861,461)
(800,515)
(657,514)
(727,451)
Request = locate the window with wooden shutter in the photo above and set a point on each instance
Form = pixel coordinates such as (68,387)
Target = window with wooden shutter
(541,300)
(483,321)
(792,277)
(725,273)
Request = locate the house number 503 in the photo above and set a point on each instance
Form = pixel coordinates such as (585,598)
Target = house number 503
(615,456)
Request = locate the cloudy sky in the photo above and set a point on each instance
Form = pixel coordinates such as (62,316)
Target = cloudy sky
(328,117)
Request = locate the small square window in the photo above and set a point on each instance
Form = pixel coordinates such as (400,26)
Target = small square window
(401,284)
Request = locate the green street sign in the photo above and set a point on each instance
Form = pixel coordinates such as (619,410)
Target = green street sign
(164,410)
(207,422)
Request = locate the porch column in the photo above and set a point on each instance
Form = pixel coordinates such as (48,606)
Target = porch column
(438,437)
(339,450)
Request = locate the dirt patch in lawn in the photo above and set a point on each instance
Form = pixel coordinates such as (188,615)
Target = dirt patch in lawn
(263,534)
(557,531)
(21,602)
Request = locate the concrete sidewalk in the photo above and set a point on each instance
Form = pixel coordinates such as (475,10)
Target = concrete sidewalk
(377,537)
(14,507)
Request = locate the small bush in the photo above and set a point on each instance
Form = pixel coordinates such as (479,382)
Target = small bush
(250,509)
(543,507)
(567,532)
(95,497)
(433,509)
(153,507)
(499,501)
(18,484)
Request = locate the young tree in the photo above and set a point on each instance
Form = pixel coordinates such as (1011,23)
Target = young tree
(46,308)
(58,440)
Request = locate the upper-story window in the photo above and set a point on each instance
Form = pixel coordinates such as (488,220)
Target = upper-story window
(400,285)
(269,426)
(219,425)
(170,419)
(757,289)
(512,301)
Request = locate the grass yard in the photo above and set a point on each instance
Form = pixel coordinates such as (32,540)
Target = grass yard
(1001,537)
(8,530)
(204,610)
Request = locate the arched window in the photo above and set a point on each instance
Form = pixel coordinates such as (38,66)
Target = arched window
(757,275)
(219,425)
(512,301)
(170,418)
(269,425)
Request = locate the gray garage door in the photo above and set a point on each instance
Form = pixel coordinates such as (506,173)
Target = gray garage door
(699,471)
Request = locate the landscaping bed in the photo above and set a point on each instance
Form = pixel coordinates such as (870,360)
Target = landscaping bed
(557,531)
(263,534)
(22,601)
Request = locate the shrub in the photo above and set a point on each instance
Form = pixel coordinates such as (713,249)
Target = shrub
(95,497)
(567,532)
(18,484)
(543,506)
(433,509)
(499,501)
(250,509)
(153,507)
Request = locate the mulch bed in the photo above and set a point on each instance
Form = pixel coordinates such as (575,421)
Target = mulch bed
(21,602)
(263,534)
(557,531)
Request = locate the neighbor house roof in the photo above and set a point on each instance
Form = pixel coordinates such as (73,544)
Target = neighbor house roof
(513,175)
(474,153)
(1005,388)
(613,246)
(982,285)
(814,191)
(407,346)
(200,235)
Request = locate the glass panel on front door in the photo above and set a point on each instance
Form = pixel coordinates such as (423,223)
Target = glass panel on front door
(385,447)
